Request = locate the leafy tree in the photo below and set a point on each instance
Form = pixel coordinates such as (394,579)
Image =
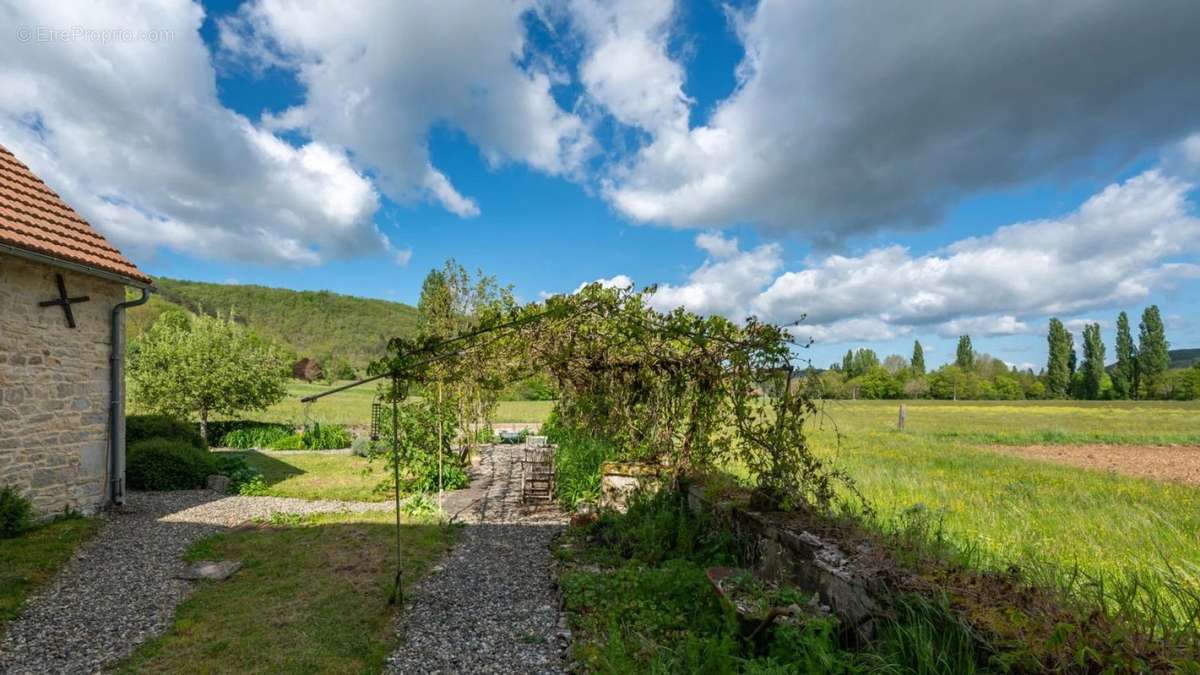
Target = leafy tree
(895,364)
(451,303)
(1093,361)
(1058,369)
(1125,373)
(918,358)
(862,361)
(848,363)
(952,382)
(1007,387)
(878,383)
(205,365)
(1153,359)
(965,356)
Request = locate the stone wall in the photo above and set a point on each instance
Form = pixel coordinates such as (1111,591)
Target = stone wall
(54,386)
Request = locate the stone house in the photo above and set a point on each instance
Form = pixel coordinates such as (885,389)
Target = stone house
(62,301)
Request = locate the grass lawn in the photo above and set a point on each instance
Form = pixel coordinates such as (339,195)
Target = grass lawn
(935,481)
(314,475)
(310,598)
(30,560)
(353,407)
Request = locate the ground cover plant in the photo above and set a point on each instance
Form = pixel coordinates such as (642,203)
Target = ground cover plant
(33,557)
(310,597)
(638,600)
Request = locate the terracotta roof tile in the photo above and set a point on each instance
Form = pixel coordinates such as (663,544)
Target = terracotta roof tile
(34,218)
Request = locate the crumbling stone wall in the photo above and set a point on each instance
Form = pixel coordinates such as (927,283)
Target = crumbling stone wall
(54,386)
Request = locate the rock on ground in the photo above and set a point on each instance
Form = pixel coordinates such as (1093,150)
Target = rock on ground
(492,605)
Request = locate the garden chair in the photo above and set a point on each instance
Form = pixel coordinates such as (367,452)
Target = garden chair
(537,470)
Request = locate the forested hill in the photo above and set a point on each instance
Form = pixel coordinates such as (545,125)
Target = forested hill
(317,324)
(1184,358)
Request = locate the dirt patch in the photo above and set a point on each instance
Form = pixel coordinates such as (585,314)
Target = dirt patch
(1175,463)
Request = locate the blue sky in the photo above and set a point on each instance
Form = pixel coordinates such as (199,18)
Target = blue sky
(894,177)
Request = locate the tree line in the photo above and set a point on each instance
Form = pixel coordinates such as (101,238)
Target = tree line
(1141,371)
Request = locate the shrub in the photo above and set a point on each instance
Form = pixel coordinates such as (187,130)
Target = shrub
(139,428)
(167,464)
(290,442)
(577,467)
(326,437)
(254,435)
(243,478)
(16,513)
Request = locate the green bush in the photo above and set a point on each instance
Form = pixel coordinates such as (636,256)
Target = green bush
(327,437)
(16,513)
(243,478)
(140,428)
(290,442)
(254,435)
(167,464)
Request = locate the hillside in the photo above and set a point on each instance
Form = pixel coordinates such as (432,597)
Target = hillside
(1183,358)
(318,324)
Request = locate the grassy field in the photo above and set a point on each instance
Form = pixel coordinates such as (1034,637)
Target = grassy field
(310,598)
(1023,422)
(31,559)
(353,407)
(314,475)
(1137,536)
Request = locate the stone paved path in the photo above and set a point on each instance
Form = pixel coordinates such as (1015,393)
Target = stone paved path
(492,605)
(119,589)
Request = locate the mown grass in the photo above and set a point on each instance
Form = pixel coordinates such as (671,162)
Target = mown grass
(31,559)
(310,598)
(313,475)
(353,407)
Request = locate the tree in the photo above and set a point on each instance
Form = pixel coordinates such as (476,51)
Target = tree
(1153,359)
(1058,369)
(205,365)
(965,357)
(918,358)
(895,364)
(1093,361)
(878,383)
(863,361)
(1125,373)
(848,363)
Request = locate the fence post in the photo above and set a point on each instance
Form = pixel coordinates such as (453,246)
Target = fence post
(903,414)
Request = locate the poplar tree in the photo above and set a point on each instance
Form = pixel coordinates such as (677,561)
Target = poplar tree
(1058,372)
(1125,375)
(1153,359)
(1093,361)
(848,363)
(918,359)
(965,358)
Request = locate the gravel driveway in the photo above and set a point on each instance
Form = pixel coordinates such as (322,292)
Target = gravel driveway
(119,589)
(492,605)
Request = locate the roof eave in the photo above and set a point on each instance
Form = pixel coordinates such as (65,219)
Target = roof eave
(75,266)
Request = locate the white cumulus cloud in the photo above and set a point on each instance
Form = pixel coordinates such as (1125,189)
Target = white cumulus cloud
(131,133)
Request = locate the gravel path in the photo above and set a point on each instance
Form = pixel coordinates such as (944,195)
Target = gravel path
(119,589)
(492,605)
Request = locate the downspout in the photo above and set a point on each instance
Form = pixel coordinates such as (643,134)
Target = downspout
(116,417)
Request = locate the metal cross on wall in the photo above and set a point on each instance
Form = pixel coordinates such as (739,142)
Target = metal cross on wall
(64,301)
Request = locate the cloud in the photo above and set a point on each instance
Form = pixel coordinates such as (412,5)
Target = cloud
(850,117)
(619,281)
(1113,251)
(727,282)
(402,256)
(626,69)
(377,79)
(131,134)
